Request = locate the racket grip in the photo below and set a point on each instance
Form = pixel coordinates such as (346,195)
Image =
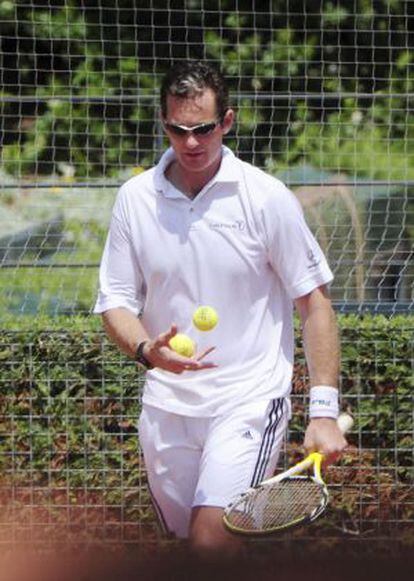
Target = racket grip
(345,422)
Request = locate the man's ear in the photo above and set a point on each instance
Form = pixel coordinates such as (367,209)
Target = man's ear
(228,121)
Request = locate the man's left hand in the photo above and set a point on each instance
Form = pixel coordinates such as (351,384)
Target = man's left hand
(323,435)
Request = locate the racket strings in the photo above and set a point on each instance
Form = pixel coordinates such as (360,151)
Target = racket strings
(278,505)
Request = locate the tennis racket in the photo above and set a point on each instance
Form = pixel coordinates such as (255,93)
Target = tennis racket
(285,500)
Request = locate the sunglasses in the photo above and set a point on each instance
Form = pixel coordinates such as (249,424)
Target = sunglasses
(200,130)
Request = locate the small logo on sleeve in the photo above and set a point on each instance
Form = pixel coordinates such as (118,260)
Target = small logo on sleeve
(313,260)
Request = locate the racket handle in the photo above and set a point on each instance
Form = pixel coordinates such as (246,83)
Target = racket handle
(345,422)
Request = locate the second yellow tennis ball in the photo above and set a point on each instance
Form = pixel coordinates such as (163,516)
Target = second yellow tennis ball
(205,318)
(182,345)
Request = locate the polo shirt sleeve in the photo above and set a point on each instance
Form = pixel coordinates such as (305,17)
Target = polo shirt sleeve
(293,251)
(120,279)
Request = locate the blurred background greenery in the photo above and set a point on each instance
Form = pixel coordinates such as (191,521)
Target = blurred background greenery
(323,94)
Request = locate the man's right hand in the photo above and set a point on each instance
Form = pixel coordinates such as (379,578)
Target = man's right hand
(159,354)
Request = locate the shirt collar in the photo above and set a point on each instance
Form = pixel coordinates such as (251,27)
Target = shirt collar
(227,172)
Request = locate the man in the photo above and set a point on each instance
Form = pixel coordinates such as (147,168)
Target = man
(202,227)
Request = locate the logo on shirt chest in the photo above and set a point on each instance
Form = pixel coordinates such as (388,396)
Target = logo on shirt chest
(236,226)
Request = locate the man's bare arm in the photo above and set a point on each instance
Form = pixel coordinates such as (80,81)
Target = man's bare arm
(322,350)
(320,337)
(127,332)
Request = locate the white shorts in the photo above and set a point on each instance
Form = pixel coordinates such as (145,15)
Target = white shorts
(208,461)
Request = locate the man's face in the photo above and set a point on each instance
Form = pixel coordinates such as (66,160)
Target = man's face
(196,153)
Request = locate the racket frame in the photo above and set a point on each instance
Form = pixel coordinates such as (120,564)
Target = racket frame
(314,459)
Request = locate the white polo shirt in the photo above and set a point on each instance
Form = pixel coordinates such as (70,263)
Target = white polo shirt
(242,246)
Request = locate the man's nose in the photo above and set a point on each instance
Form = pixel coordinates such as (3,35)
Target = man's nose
(191,140)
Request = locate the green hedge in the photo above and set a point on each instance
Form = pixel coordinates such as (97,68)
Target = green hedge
(70,401)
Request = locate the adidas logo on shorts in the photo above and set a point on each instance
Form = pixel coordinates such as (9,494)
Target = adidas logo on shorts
(247,435)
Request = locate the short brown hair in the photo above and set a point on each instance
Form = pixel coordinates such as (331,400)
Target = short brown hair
(189,78)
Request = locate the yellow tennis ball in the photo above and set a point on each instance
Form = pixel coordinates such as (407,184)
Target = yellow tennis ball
(182,344)
(205,318)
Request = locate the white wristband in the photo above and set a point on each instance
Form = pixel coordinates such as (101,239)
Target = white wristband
(323,402)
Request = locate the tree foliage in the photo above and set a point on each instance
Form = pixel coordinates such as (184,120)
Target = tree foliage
(89,75)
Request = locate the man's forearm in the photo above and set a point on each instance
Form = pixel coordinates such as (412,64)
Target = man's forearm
(322,349)
(321,341)
(125,330)
(320,336)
